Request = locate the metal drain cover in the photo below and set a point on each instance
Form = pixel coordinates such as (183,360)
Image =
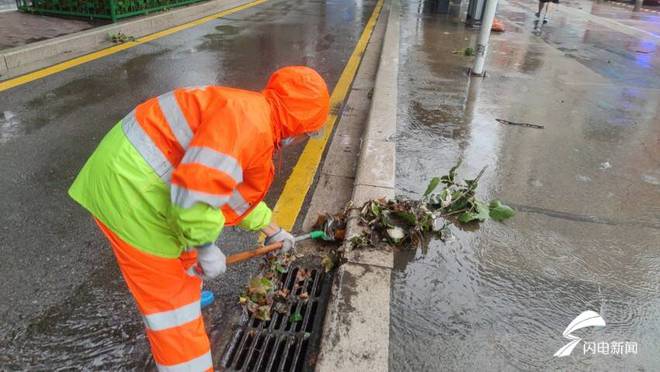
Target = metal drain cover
(279,344)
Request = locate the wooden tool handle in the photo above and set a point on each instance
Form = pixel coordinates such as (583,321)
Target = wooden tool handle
(242,256)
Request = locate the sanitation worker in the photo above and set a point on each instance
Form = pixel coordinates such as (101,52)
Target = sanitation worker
(171,174)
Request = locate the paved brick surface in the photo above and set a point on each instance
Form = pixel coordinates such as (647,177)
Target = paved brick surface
(18,28)
(7,4)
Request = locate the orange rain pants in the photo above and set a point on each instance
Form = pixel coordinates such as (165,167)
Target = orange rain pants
(169,300)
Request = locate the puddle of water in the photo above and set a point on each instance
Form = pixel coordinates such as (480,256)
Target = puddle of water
(96,328)
(9,125)
(500,299)
(585,237)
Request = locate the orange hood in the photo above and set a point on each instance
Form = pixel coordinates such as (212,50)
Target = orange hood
(299,101)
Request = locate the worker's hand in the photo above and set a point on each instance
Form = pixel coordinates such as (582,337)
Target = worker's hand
(281,235)
(211,260)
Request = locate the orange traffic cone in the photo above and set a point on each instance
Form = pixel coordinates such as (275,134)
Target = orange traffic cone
(498,26)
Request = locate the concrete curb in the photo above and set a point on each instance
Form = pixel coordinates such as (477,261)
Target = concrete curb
(3,65)
(357,321)
(31,57)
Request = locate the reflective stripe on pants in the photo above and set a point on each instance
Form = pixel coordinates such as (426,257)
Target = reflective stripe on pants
(168,299)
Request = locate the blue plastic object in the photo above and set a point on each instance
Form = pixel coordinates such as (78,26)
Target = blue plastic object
(207,298)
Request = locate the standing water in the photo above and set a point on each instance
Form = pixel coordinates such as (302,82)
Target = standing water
(586,187)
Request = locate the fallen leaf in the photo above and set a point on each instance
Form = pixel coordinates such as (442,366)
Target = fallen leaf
(280,269)
(251,306)
(435,181)
(480,214)
(295,317)
(396,234)
(499,211)
(281,307)
(282,294)
(259,286)
(451,176)
(328,263)
(407,217)
(263,312)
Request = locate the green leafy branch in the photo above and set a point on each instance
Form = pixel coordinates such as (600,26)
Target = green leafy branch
(407,222)
(459,199)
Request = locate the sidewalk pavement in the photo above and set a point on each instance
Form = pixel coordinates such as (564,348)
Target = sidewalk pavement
(17,28)
(26,58)
(607,13)
(356,331)
(6,5)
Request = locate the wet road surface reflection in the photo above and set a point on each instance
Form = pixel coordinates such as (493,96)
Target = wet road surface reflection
(586,189)
(64,305)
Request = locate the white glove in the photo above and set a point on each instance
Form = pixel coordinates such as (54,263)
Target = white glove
(288,240)
(211,260)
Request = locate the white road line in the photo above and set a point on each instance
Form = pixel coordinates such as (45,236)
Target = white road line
(617,26)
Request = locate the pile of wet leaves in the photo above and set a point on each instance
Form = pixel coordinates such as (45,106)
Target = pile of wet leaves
(407,223)
(120,37)
(262,296)
(403,222)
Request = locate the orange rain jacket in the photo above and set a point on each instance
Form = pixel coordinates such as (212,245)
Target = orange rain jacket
(208,151)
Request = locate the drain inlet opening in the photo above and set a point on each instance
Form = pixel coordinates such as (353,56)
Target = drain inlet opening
(280,344)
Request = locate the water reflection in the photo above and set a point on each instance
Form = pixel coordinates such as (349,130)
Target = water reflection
(500,298)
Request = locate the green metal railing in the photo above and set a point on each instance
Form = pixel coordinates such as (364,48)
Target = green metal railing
(113,10)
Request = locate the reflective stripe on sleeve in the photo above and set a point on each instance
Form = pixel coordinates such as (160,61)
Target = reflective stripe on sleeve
(173,318)
(146,147)
(175,118)
(215,160)
(237,203)
(186,198)
(201,363)
(198,87)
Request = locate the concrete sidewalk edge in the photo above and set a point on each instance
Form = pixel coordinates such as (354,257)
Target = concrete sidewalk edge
(27,58)
(357,321)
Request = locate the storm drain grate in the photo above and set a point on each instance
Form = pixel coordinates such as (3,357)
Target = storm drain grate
(279,344)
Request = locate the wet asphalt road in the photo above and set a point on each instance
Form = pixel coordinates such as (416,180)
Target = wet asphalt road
(63,301)
(587,190)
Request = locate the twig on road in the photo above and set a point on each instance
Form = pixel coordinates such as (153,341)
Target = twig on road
(507,122)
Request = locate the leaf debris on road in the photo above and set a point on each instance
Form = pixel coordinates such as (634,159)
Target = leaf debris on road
(407,223)
(120,37)
(403,222)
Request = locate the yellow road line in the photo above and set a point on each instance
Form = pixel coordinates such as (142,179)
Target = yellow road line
(288,205)
(8,84)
